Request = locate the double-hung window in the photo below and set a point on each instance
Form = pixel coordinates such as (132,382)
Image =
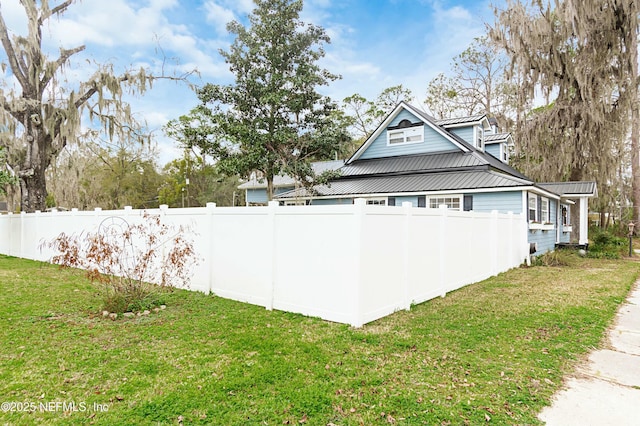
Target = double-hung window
(544,210)
(533,208)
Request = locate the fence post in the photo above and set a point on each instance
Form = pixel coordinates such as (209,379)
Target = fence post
(23,216)
(407,206)
(444,221)
(273,275)
(11,224)
(493,242)
(358,229)
(211,209)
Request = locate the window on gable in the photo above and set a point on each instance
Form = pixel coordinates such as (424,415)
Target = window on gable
(533,208)
(452,202)
(405,135)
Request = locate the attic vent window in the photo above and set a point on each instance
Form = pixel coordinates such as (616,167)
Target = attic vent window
(404,123)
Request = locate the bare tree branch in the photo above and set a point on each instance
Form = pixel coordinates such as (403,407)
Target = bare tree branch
(11,54)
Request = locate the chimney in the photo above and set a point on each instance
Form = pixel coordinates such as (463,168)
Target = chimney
(494,125)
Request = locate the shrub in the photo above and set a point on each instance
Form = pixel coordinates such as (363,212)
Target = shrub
(554,258)
(606,245)
(124,260)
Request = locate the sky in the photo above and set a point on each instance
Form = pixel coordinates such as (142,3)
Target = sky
(375,44)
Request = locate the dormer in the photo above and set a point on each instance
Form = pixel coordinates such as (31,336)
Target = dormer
(472,129)
(499,145)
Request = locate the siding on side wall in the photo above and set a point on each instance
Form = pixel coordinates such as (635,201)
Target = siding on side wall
(412,199)
(259,195)
(546,239)
(331,201)
(493,149)
(465,133)
(433,142)
(504,202)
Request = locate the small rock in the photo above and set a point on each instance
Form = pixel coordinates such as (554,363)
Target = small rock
(128,314)
(138,314)
(113,316)
(146,312)
(163,306)
(105,313)
(156,310)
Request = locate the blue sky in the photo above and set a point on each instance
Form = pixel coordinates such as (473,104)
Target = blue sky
(375,43)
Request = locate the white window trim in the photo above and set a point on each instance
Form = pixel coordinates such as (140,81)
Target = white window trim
(406,132)
(533,207)
(478,133)
(546,215)
(435,197)
(378,201)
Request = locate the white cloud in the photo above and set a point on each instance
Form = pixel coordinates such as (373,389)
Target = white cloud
(218,15)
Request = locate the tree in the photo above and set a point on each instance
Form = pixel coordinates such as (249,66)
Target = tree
(271,119)
(5,176)
(43,112)
(478,85)
(107,175)
(366,115)
(206,184)
(579,55)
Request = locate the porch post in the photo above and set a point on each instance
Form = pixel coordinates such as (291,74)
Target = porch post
(584,220)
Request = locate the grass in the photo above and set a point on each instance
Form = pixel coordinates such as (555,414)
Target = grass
(492,352)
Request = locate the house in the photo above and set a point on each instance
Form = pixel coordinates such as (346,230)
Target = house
(256,187)
(460,163)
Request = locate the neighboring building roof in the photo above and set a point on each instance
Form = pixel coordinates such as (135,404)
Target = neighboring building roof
(284,180)
(572,189)
(428,182)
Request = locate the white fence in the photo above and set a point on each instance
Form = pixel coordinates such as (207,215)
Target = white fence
(346,263)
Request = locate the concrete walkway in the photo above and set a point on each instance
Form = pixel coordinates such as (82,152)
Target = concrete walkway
(606,390)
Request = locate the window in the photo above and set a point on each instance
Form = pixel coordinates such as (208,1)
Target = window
(452,203)
(544,210)
(480,137)
(565,215)
(295,203)
(533,208)
(405,136)
(377,201)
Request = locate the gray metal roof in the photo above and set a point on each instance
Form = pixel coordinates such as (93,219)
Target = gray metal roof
(428,182)
(566,189)
(490,138)
(459,120)
(411,163)
(286,180)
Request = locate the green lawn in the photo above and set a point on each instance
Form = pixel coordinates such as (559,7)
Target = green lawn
(491,352)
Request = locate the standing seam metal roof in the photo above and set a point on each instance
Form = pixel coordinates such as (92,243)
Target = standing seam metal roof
(428,182)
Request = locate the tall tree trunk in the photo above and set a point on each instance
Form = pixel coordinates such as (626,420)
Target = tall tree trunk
(269,187)
(635,130)
(33,185)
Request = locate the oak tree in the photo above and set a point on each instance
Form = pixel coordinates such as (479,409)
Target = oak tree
(42,109)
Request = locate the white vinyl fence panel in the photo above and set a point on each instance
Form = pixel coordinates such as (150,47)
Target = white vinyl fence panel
(346,263)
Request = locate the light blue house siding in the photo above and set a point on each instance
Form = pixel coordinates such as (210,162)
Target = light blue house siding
(330,201)
(433,141)
(493,149)
(259,195)
(465,133)
(546,240)
(504,202)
